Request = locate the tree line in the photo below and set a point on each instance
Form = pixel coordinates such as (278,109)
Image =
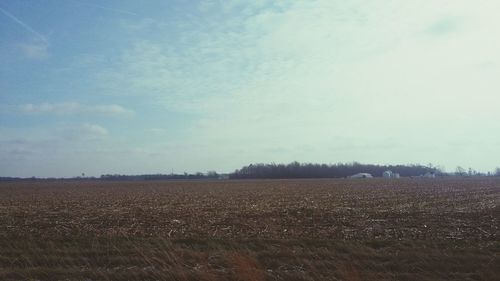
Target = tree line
(340,170)
(185,176)
(119,177)
(283,171)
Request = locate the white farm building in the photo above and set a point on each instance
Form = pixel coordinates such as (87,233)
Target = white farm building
(361,176)
(390,175)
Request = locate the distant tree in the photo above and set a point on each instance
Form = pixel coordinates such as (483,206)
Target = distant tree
(497,172)
(471,172)
(459,171)
(339,170)
(212,174)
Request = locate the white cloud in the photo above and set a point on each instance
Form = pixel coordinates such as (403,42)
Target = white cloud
(84,132)
(60,150)
(138,25)
(68,108)
(111,109)
(158,131)
(309,73)
(319,81)
(93,130)
(36,51)
(52,108)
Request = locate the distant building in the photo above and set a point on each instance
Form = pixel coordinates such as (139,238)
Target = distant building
(429,175)
(390,175)
(223,176)
(361,176)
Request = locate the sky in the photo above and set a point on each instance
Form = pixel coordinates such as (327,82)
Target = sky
(135,87)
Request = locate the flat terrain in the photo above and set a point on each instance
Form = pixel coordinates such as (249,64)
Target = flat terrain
(373,229)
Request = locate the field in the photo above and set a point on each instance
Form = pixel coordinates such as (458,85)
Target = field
(373,229)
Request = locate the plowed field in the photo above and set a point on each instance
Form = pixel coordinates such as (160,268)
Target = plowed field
(373,229)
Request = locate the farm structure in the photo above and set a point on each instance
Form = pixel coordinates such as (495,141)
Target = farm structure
(429,175)
(361,176)
(390,175)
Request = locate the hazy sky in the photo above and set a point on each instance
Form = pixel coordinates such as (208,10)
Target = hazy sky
(150,86)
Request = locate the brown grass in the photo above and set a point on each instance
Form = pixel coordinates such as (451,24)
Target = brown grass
(245,267)
(442,229)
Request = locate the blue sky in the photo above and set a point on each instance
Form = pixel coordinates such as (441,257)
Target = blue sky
(149,86)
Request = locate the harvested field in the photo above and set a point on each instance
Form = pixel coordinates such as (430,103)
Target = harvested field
(374,229)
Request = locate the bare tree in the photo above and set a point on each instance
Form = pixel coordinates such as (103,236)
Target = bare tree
(459,171)
(497,172)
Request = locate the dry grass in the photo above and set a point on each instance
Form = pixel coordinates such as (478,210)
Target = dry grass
(245,260)
(442,229)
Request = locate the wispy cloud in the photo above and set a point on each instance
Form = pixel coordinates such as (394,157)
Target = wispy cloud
(112,109)
(93,130)
(139,25)
(37,51)
(115,10)
(443,26)
(25,26)
(68,108)
(84,132)
(158,131)
(309,72)
(319,81)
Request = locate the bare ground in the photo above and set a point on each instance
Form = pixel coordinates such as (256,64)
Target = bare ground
(407,229)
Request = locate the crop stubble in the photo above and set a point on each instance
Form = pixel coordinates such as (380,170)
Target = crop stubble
(406,229)
(327,209)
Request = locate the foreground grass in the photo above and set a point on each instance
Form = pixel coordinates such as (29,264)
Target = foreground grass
(213,259)
(407,229)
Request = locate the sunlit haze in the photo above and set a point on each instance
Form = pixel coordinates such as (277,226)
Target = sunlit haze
(135,87)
